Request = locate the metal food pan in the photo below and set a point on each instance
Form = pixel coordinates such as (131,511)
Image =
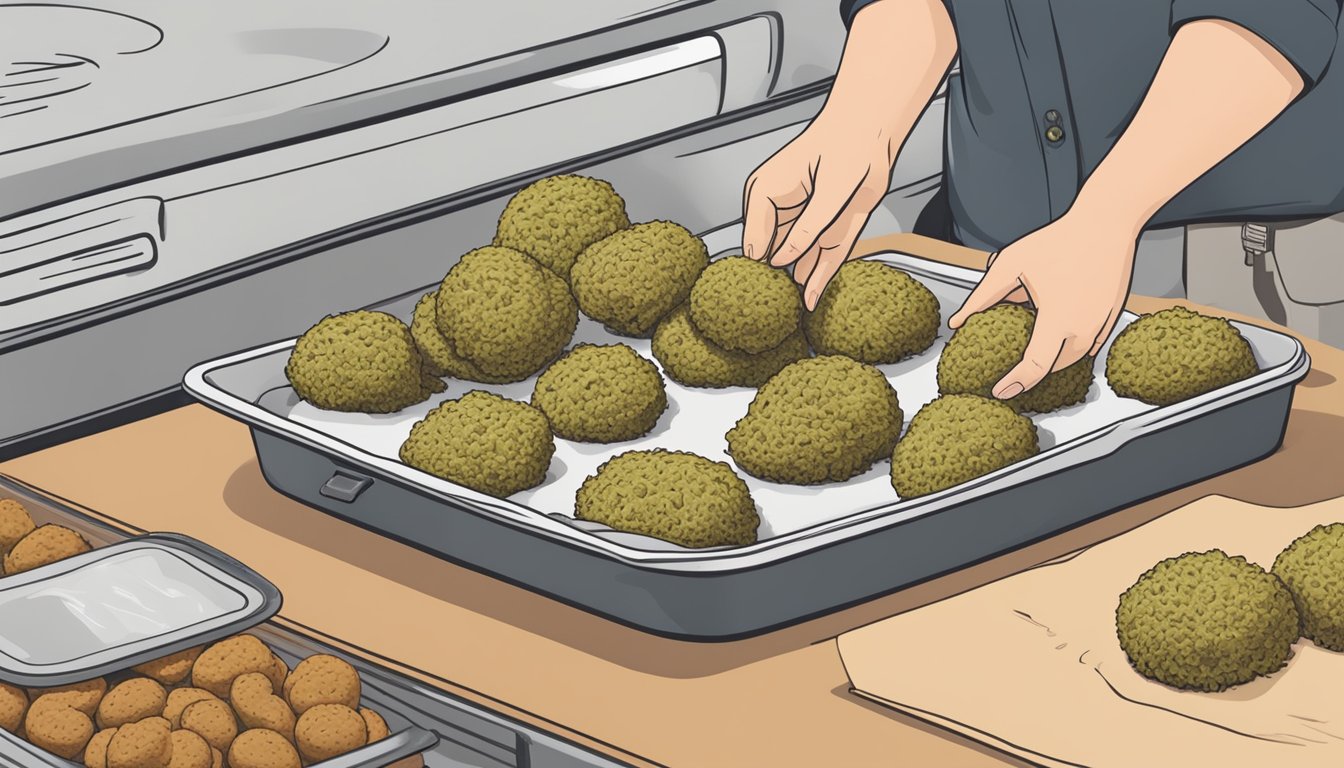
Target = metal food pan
(428,727)
(820,548)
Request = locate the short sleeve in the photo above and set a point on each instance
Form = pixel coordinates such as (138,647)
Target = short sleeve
(1304,31)
(850,8)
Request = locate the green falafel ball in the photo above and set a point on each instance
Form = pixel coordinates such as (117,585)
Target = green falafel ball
(874,313)
(691,360)
(744,305)
(824,419)
(671,495)
(484,442)
(601,394)
(989,345)
(440,358)
(957,438)
(1206,622)
(631,279)
(1177,354)
(361,362)
(1313,568)
(505,313)
(554,219)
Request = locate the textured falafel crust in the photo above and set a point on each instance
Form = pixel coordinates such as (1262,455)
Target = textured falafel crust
(601,394)
(554,219)
(820,420)
(15,523)
(359,361)
(46,544)
(744,305)
(989,345)
(484,442)
(957,438)
(874,313)
(505,313)
(1177,354)
(632,279)
(1313,569)
(671,495)
(691,360)
(440,358)
(1206,622)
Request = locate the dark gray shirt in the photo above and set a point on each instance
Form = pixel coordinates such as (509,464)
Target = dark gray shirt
(1047,86)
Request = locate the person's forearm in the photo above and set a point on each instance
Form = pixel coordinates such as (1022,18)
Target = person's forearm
(897,53)
(1217,87)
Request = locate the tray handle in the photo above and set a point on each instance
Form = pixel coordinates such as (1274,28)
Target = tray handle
(345,486)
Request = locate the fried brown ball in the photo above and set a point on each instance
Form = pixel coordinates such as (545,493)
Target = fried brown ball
(873,313)
(483,441)
(632,279)
(989,345)
(131,701)
(216,667)
(325,731)
(746,306)
(13,706)
(362,362)
(820,420)
(56,726)
(1177,354)
(255,701)
(691,360)
(15,523)
(260,748)
(601,394)
(678,497)
(212,720)
(83,696)
(95,752)
(171,669)
(375,724)
(505,313)
(322,679)
(181,698)
(144,744)
(45,545)
(1313,569)
(190,751)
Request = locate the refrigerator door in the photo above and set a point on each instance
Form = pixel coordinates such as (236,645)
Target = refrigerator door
(108,297)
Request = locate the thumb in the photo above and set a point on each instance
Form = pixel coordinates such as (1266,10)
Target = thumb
(994,287)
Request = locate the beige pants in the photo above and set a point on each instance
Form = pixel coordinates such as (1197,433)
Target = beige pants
(1290,273)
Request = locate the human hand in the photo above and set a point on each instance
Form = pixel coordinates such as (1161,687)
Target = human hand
(807,204)
(1076,271)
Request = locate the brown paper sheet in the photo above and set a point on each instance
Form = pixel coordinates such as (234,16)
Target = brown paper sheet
(1030,664)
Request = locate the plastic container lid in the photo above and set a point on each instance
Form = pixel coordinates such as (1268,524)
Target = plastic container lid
(122,605)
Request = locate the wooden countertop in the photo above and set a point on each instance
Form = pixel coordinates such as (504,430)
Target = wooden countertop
(780,699)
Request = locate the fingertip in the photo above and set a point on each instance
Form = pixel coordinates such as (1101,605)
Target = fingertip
(1008,389)
(749,251)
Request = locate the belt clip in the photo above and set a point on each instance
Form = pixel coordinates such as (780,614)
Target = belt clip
(1256,240)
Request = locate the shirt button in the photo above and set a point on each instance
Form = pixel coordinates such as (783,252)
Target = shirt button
(1052,116)
(1054,134)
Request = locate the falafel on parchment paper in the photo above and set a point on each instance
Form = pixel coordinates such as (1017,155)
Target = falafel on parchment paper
(554,219)
(1177,354)
(989,345)
(484,442)
(633,278)
(601,394)
(1313,569)
(505,313)
(873,313)
(1207,621)
(361,361)
(439,356)
(671,495)
(825,419)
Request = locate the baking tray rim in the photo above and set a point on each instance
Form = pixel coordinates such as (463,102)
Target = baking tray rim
(1088,447)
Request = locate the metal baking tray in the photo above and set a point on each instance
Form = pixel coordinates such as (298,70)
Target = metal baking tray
(820,548)
(429,727)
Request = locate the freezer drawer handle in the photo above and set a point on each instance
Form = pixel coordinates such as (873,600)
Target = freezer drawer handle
(345,486)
